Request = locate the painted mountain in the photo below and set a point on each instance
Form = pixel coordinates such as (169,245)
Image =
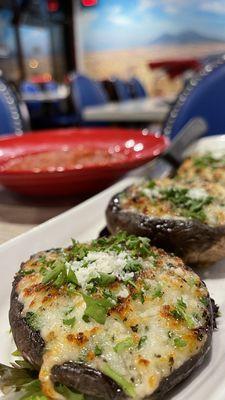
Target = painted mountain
(185,37)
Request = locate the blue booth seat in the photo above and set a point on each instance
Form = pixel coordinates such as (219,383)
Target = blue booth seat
(14,115)
(203,96)
(87,92)
(137,88)
(122,89)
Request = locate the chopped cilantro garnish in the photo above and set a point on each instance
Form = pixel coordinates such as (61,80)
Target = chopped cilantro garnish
(71,277)
(138,246)
(157,292)
(67,393)
(181,304)
(189,207)
(142,341)
(132,266)
(16,353)
(192,281)
(98,351)
(108,294)
(69,322)
(25,272)
(150,184)
(207,160)
(103,279)
(57,274)
(78,250)
(179,342)
(123,345)
(127,386)
(139,295)
(204,301)
(32,320)
(180,313)
(97,308)
(69,310)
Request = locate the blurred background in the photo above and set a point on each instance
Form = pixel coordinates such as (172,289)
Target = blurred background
(44,40)
(98,69)
(130,49)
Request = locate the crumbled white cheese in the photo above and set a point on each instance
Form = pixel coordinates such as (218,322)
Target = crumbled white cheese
(100,262)
(153,193)
(123,293)
(197,193)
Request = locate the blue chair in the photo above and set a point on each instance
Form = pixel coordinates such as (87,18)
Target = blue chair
(86,92)
(14,117)
(50,86)
(34,106)
(203,96)
(137,89)
(122,89)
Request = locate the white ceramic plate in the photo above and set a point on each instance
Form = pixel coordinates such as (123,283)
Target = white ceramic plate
(84,222)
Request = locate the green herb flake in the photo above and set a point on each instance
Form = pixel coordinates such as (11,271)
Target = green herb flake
(97,351)
(124,345)
(189,207)
(16,353)
(179,342)
(69,310)
(53,275)
(25,272)
(181,304)
(151,184)
(69,322)
(139,295)
(133,266)
(32,320)
(138,246)
(69,394)
(157,292)
(25,380)
(127,386)
(204,300)
(71,277)
(180,313)
(97,308)
(207,160)
(103,279)
(142,341)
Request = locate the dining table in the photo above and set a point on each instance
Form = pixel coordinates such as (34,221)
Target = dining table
(147,109)
(19,214)
(47,96)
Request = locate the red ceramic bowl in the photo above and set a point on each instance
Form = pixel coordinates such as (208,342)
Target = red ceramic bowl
(136,147)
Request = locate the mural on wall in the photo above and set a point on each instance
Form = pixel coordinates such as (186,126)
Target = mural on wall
(121,37)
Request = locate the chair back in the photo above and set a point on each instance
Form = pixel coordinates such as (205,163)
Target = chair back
(137,89)
(203,96)
(13,112)
(122,89)
(86,92)
(51,86)
(29,87)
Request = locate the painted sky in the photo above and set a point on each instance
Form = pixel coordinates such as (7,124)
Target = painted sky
(118,24)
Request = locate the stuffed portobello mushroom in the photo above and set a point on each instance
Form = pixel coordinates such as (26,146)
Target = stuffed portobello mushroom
(183,217)
(203,167)
(114,318)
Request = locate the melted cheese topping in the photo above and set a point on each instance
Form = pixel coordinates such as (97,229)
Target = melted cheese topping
(160,313)
(151,201)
